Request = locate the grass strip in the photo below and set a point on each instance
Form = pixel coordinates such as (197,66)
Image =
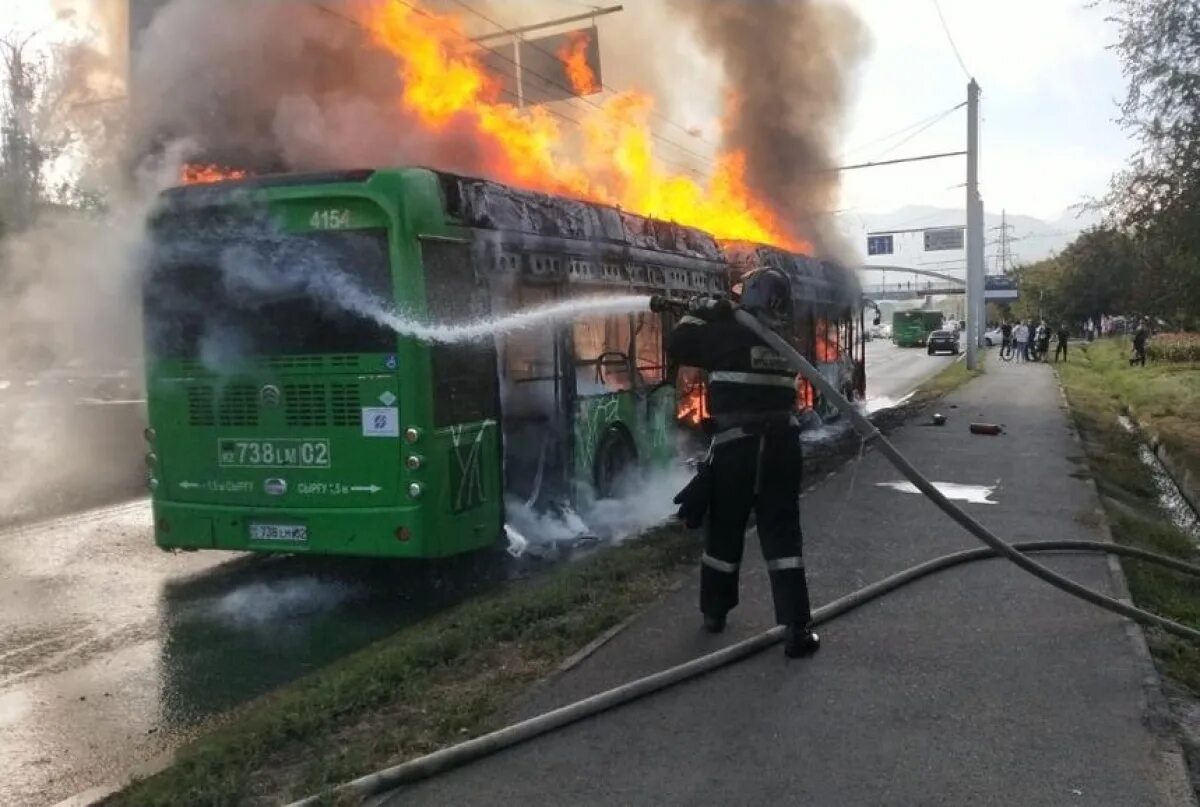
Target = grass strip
(949,379)
(1100,386)
(454,676)
(1165,396)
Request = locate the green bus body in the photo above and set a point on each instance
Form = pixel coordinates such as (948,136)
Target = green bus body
(912,328)
(345,438)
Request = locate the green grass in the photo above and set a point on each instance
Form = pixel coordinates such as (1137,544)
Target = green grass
(1100,386)
(449,678)
(1165,397)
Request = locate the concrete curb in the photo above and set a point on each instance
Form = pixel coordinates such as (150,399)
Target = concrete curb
(1159,716)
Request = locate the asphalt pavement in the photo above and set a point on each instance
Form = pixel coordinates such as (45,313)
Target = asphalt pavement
(981,686)
(894,372)
(112,652)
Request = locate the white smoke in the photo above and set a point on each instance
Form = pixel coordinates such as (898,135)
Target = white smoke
(257,265)
(70,291)
(265,605)
(647,502)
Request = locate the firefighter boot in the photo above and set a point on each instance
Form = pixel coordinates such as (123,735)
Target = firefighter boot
(801,640)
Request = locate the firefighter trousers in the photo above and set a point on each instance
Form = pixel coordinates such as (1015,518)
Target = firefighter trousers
(759,474)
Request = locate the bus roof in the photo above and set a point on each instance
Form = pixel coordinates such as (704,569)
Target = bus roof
(486,204)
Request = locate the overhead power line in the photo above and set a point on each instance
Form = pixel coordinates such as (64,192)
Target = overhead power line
(924,128)
(921,158)
(935,117)
(950,38)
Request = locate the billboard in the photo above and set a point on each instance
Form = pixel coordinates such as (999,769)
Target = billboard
(553,68)
(560,66)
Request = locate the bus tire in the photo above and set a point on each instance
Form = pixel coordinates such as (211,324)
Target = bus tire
(615,455)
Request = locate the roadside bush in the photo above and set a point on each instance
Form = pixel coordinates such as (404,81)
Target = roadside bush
(1174,347)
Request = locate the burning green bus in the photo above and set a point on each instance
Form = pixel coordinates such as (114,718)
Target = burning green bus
(912,328)
(286,417)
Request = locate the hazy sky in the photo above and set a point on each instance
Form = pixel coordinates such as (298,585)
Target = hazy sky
(1050,86)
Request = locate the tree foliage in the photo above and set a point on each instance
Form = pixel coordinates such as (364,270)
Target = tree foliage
(48,111)
(1156,199)
(1097,274)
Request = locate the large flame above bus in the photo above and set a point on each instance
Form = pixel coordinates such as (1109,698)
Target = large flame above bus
(608,158)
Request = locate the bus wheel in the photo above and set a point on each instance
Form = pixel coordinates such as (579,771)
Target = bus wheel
(615,456)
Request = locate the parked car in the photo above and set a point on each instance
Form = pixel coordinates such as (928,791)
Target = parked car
(943,342)
(993,337)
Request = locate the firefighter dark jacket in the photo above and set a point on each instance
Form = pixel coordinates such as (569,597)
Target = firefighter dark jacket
(745,376)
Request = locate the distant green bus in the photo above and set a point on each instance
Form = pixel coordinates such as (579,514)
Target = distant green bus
(284,420)
(912,328)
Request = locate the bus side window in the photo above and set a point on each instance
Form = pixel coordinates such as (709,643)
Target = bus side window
(463,375)
(602,355)
(531,368)
(648,348)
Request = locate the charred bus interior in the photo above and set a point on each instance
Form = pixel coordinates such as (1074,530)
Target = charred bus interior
(581,404)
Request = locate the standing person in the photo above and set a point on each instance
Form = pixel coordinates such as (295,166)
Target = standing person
(1043,341)
(1139,346)
(1021,334)
(1061,338)
(754,463)
(1006,338)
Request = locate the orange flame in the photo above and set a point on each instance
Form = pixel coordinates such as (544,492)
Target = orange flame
(574,55)
(444,84)
(203,173)
(691,407)
(805,395)
(826,348)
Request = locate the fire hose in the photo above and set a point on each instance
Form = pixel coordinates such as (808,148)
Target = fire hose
(454,756)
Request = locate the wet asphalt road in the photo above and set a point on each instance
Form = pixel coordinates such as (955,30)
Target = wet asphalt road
(893,372)
(112,652)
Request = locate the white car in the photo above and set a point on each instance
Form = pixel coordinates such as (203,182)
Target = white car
(993,337)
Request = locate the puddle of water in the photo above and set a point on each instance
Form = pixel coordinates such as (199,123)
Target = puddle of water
(882,402)
(1177,509)
(971,494)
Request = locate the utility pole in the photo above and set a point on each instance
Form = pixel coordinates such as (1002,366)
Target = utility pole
(975,235)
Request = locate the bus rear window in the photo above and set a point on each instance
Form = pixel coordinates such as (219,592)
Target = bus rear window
(220,292)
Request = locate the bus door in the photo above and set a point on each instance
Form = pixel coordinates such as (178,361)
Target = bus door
(534,403)
(464,392)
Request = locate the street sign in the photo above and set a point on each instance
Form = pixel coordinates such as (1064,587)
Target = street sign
(944,238)
(1000,287)
(880,245)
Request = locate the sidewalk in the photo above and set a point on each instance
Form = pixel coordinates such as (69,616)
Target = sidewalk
(979,686)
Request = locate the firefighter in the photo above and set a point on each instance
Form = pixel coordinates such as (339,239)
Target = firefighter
(753,464)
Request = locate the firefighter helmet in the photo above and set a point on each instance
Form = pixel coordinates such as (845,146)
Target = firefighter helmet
(767,294)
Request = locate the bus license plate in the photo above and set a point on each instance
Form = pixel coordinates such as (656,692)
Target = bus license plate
(294,533)
(282,453)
